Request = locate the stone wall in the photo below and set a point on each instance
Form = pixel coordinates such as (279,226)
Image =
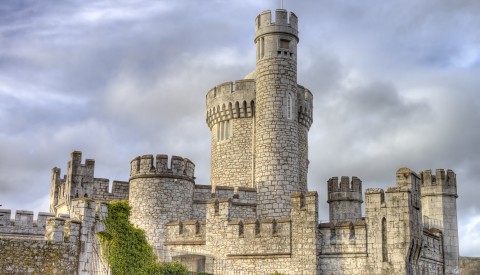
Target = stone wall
(431,261)
(53,245)
(232,159)
(251,246)
(27,256)
(23,224)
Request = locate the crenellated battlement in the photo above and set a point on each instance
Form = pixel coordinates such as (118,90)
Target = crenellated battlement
(305,106)
(101,190)
(79,182)
(186,232)
(442,183)
(345,199)
(393,197)
(77,168)
(145,166)
(285,22)
(237,194)
(231,100)
(304,200)
(55,229)
(58,230)
(23,222)
(343,237)
(346,190)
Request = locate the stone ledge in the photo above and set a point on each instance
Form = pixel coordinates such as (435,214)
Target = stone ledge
(169,176)
(244,204)
(344,255)
(185,243)
(260,255)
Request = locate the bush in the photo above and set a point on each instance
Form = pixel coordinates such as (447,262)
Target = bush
(126,248)
(173,268)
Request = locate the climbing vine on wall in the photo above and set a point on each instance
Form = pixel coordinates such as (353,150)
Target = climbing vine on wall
(126,249)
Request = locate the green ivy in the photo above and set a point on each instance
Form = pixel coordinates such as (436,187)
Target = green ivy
(126,249)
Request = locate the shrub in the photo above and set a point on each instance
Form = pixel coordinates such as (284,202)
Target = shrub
(126,249)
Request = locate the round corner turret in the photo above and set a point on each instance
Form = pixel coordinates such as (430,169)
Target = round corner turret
(345,199)
(148,167)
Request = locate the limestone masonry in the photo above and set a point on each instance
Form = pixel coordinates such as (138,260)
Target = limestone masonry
(257,215)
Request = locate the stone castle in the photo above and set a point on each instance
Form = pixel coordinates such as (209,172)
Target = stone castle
(257,215)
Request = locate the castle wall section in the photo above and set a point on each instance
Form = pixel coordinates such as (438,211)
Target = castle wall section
(395,227)
(23,224)
(53,245)
(252,246)
(120,190)
(21,256)
(79,182)
(201,195)
(432,258)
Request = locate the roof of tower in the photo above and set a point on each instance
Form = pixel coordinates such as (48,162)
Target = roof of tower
(251,75)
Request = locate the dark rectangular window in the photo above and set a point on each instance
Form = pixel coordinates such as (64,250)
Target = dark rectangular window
(285,44)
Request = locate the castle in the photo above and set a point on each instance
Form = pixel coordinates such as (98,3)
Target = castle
(257,216)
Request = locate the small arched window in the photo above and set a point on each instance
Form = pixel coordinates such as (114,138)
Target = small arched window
(224,130)
(289,106)
(384,241)
(227,129)
(257,228)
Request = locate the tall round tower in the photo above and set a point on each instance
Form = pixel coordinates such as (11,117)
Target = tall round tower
(277,172)
(230,112)
(259,125)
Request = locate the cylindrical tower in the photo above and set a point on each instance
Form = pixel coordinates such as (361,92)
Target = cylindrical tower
(345,201)
(276,121)
(439,208)
(230,112)
(159,194)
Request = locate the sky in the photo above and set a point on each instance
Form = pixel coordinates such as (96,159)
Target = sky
(395,84)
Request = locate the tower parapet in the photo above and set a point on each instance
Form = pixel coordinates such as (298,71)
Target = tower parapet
(145,167)
(159,193)
(230,100)
(442,183)
(345,199)
(285,22)
(305,106)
